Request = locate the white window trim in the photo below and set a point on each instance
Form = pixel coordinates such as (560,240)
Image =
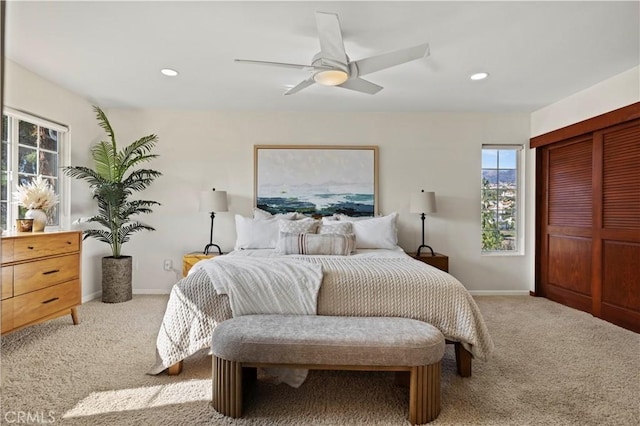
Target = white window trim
(520,214)
(64,159)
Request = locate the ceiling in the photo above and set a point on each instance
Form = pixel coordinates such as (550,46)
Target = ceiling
(535,52)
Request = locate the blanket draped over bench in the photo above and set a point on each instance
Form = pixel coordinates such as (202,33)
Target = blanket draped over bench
(390,287)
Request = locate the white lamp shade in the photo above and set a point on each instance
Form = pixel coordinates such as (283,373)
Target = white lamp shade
(213,201)
(423,202)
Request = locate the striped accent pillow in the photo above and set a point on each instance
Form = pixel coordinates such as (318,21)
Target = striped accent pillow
(325,244)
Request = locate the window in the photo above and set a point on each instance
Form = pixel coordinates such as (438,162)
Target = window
(31,146)
(500,199)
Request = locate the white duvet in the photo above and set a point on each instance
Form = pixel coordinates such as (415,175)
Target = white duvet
(368,283)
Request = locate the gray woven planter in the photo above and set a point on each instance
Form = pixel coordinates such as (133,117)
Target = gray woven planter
(116,279)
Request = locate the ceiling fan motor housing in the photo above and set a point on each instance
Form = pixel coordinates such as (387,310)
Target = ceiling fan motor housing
(338,73)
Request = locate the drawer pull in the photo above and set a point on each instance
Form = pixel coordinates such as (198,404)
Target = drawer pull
(30,247)
(69,242)
(51,272)
(50,300)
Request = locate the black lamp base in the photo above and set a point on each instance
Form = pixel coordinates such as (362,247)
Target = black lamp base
(420,248)
(206,248)
(423,244)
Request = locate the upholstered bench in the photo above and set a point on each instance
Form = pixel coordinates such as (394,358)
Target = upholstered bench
(328,343)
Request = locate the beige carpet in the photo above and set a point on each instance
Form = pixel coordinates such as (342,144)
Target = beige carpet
(552,366)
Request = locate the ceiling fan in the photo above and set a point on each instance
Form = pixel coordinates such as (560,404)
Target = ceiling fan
(332,67)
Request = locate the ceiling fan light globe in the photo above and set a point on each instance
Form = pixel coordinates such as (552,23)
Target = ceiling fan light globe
(331,77)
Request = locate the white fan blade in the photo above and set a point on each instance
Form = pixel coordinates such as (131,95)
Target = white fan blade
(361,85)
(330,35)
(391,59)
(282,64)
(298,87)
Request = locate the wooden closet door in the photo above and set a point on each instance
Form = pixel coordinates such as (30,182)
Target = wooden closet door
(617,226)
(588,215)
(566,223)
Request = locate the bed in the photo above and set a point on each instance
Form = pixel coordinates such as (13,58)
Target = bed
(368,282)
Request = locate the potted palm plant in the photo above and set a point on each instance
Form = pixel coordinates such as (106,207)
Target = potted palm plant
(113,181)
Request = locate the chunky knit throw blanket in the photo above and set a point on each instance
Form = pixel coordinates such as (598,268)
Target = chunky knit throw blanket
(391,287)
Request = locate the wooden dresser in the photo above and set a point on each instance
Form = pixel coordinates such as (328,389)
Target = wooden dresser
(40,277)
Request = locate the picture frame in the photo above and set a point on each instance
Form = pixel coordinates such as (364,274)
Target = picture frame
(316,180)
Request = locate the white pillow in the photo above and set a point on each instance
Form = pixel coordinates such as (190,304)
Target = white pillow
(329,219)
(256,233)
(378,232)
(335,227)
(263,214)
(307,225)
(344,217)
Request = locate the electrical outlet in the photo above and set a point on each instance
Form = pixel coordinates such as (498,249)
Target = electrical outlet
(168,264)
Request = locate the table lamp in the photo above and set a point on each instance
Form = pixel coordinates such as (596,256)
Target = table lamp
(423,203)
(213,201)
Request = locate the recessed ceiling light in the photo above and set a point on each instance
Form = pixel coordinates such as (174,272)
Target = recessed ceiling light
(169,72)
(479,76)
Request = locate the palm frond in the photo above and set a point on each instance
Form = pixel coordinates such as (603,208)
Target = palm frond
(105,159)
(84,173)
(132,228)
(99,234)
(138,207)
(103,122)
(138,151)
(140,179)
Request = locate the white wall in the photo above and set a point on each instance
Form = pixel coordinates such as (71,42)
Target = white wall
(608,95)
(29,92)
(198,150)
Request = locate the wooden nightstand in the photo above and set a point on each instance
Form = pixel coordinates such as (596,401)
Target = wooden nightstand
(439,261)
(190,259)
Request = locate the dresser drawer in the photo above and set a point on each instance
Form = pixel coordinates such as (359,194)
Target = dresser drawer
(7,282)
(7,250)
(45,245)
(39,274)
(7,315)
(38,304)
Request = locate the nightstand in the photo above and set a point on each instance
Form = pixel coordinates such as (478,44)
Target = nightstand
(439,261)
(190,259)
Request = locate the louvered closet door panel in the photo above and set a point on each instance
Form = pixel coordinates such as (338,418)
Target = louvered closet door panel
(621,179)
(570,188)
(620,232)
(567,225)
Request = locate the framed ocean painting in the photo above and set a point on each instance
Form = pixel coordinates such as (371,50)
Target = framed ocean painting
(316,179)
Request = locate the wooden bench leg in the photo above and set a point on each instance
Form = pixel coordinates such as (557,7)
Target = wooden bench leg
(175,369)
(463,360)
(424,394)
(227,387)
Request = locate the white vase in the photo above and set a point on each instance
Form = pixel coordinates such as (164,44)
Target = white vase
(39,219)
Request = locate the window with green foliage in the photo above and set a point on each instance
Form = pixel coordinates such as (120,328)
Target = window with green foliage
(500,198)
(31,146)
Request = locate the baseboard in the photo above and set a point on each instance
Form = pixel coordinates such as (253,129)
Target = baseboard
(88,297)
(98,294)
(499,292)
(151,291)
